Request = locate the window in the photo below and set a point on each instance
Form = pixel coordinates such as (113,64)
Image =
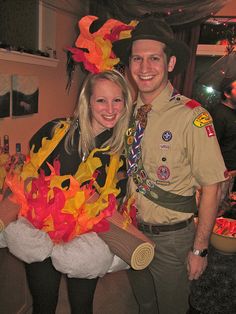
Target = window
(27,26)
(215,35)
(204,93)
(19,24)
(217,30)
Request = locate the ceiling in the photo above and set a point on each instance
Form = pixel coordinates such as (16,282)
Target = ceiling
(176,12)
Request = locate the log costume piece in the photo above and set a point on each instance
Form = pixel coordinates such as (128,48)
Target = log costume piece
(55,210)
(128,243)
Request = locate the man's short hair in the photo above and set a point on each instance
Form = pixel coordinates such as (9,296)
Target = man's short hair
(226,86)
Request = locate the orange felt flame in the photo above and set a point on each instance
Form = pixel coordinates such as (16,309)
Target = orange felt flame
(99,55)
(66,212)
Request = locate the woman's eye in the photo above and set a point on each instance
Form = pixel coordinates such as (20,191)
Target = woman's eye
(100,100)
(118,99)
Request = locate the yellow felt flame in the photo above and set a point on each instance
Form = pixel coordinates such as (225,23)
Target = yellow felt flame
(48,224)
(127,33)
(31,167)
(86,169)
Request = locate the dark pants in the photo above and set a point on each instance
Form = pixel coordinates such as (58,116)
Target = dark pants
(144,291)
(44,281)
(169,269)
(169,273)
(193,311)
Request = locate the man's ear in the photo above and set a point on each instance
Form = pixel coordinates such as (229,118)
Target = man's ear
(171,63)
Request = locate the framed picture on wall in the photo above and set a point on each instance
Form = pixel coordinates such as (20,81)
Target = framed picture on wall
(25,92)
(5,95)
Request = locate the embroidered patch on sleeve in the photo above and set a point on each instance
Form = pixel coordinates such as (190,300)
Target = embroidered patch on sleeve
(210,130)
(202,120)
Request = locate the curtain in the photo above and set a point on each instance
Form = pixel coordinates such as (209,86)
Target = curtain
(183,82)
(176,12)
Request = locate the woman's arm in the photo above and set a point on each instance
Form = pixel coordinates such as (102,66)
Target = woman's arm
(8,212)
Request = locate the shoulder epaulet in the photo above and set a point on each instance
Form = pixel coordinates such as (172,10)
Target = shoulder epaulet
(192,104)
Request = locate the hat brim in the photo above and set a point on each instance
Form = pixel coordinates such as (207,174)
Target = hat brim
(122,49)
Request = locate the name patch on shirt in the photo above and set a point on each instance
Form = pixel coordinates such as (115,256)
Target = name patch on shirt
(202,120)
(164,146)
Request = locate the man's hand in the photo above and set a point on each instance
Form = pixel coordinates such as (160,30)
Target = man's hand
(196,265)
(207,212)
(232,174)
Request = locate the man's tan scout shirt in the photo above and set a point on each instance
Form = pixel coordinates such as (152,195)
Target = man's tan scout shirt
(180,152)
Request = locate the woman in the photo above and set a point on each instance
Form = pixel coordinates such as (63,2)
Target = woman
(100,120)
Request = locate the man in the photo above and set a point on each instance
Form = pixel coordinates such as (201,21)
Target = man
(170,155)
(224,118)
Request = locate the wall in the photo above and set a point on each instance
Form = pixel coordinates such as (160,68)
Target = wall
(228,10)
(54,101)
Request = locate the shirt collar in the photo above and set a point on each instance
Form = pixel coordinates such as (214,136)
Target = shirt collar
(167,94)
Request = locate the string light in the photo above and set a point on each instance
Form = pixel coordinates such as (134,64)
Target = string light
(209,89)
(218,30)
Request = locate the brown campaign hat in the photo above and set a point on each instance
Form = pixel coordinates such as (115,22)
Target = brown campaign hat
(156,29)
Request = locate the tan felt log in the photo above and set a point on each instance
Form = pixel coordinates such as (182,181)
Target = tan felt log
(118,220)
(129,244)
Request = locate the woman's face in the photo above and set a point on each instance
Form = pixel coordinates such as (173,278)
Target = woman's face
(107,104)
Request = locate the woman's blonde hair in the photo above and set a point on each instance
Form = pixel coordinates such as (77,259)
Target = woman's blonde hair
(82,115)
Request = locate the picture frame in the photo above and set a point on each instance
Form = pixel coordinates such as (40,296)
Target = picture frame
(25,93)
(5,95)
